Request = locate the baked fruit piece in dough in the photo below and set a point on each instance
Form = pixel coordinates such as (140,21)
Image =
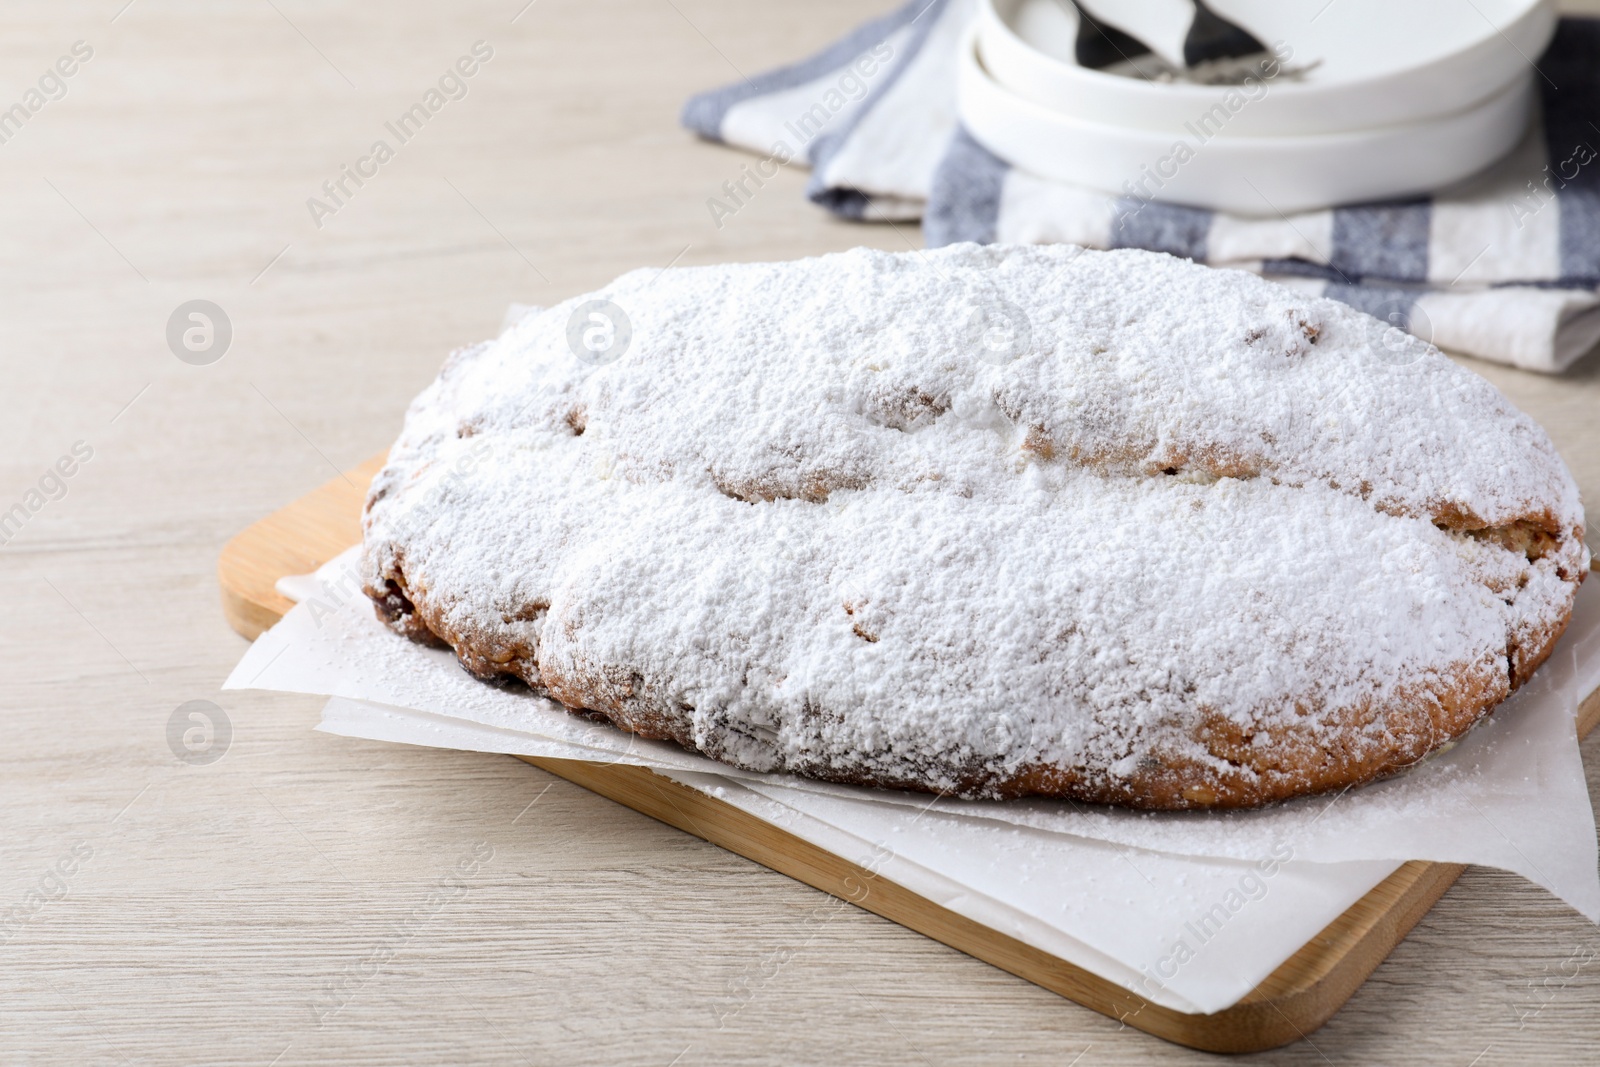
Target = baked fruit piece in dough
(986,521)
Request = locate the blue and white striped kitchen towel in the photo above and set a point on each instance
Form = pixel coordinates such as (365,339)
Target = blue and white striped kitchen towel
(1504,266)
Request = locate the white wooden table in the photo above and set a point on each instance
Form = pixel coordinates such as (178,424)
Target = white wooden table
(157,912)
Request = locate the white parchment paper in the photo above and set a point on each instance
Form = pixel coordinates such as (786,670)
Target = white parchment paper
(1189,910)
(1182,931)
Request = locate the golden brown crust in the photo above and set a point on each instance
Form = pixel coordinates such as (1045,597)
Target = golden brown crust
(1267,766)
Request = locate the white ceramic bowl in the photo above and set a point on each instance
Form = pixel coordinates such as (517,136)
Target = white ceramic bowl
(1379,62)
(1244,175)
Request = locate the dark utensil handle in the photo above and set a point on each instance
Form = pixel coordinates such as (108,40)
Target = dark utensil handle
(1213,37)
(1100,46)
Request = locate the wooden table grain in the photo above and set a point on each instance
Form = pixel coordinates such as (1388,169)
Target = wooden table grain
(311,899)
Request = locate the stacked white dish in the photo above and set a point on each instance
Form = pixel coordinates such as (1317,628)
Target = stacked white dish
(1357,100)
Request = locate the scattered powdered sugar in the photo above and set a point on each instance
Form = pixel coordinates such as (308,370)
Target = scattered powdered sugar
(907,515)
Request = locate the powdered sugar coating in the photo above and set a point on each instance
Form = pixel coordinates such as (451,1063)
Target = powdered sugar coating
(987,519)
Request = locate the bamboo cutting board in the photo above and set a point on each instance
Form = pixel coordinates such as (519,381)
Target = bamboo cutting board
(1301,995)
